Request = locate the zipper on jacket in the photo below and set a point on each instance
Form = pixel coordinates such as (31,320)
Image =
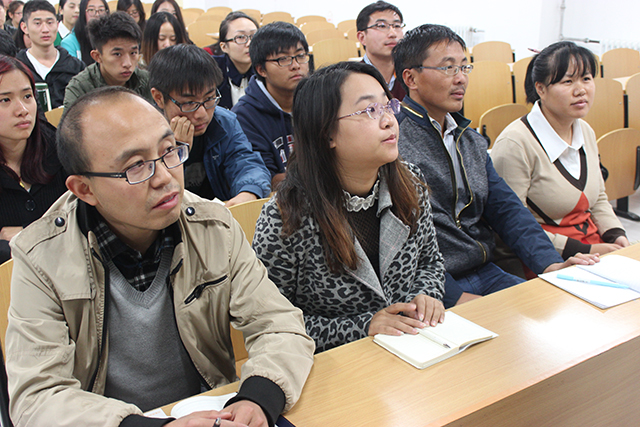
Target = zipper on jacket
(200,288)
(101,340)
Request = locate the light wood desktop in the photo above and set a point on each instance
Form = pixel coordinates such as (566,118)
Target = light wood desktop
(558,361)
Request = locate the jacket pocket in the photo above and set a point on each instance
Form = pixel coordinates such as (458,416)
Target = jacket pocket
(200,288)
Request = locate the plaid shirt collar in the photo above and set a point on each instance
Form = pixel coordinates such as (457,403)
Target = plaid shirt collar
(139,269)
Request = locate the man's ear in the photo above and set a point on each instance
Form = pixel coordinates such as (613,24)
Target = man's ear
(409,78)
(261,71)
(158,97)
(23,27)
(360,36)
(81,187)
(95,54)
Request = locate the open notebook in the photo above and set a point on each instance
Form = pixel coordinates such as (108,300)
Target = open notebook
(434,344)
(614,269)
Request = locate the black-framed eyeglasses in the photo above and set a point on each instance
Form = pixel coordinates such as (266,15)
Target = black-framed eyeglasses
(94,12)
(240,38)
(191,106)
(376,110)
(450,70)
(385,26)
(143,171)
(285,61)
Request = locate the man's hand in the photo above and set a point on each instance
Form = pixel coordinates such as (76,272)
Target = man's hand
(183,130)
(8,233)
(580,259)
(247,413)
(242,197)
(205,419)
(389,321)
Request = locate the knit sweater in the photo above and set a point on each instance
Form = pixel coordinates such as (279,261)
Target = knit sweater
(563,205)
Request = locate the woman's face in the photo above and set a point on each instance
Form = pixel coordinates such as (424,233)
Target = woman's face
(18,108)
(239,52)
(70,13)
(95,9)
(17,16)
(570,98)
(167,7)
(133,12)
(166,36)
(363,144)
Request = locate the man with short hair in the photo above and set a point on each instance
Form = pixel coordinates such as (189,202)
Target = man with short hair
(124,291)
(49,64)
(116,49)
(469,200)
(280,55)
(184,83)
(380,27)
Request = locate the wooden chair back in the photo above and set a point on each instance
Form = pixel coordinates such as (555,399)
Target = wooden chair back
(147,9)
(190,16)
(633,101)
(5,297)
(493,121)
(199,32)
(327,52)
(308,27)
(492,51)
(193,9)
(54,116)
(607,112)
(211,17)
(219,10)
(309,18)
(489,86)
(247,215)
(519,69)
(328,33)
(619,153)
(270,17)
(352,34)
(620,62)
(345,26)
(113,5)
(253,13)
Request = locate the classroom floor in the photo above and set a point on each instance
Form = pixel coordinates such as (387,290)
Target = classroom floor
(633,227)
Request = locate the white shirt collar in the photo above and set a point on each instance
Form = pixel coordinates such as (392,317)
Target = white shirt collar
(550,140)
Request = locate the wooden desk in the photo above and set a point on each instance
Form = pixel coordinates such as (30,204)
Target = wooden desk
(558,361)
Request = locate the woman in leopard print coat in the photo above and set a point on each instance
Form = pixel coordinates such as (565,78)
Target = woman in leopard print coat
(349,237)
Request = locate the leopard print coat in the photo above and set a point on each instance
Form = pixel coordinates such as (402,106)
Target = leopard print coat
(338,307)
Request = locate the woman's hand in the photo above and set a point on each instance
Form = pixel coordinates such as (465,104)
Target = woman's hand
(422,309)
(604,248)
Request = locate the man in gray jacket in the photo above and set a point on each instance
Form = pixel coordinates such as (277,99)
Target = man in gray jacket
(123,292)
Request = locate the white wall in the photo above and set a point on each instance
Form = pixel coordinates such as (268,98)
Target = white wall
(523,23)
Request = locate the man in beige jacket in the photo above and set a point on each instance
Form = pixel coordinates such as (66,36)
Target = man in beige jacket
(123,292)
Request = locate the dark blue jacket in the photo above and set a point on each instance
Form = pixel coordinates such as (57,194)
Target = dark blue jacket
(466,240)
(230,163)
(268,128)
(229,71)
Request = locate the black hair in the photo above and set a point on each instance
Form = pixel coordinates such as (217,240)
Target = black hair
(362,21)
(272,39)
(412,50)
(11,9)
(312,185)
(183,67)
(82,34)
(176,6)
(7,44)
(224,25)
(118,25)
(550,66)
(69,139)
(18,37)
(152,30)
(36,5)
(124,5)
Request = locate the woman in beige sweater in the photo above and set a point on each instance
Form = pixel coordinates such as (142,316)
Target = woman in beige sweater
(550,158)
